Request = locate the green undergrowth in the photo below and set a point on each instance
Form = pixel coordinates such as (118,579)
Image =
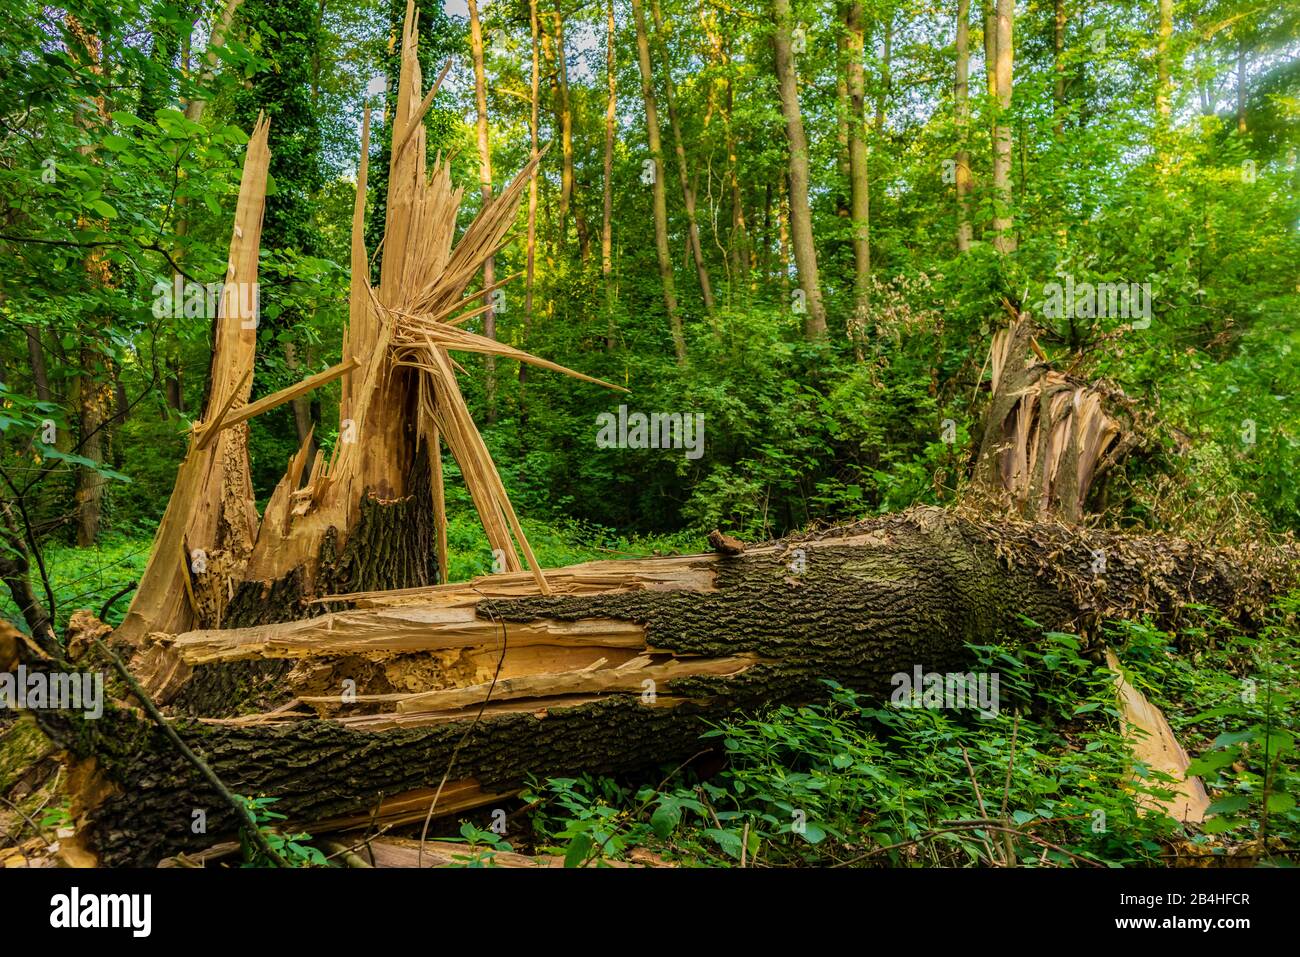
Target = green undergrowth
(1047,781)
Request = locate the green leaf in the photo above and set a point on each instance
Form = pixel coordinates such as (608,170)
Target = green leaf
(101,207)
(666,818)
(1229,738)
(813,833)
(1211,762)
(1280,802)
(1220,825)
(578,850)
(1230,804)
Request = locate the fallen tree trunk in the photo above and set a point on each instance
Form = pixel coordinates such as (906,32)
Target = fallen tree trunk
(360,714)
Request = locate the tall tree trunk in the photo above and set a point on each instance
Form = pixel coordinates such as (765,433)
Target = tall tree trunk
(738,242)
(220,32)
(1164,33)
(842,111)
(564,109)
(660,199)
(688,192)
(93,397)
(991,46)
(805,252)
(739,254)
(1004,240)
(607,204)
(485,186)
(961,105)
(530,251)
(859,180)
(36,356)
(1241,86)
(94,394)
(1058,67)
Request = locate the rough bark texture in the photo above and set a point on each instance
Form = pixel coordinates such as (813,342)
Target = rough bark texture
(392,546)
(856,606)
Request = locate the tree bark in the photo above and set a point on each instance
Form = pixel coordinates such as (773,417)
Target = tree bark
(621,673)
(1004,240)
(805,252)
(1058,66)
(607,199)
(660,199)
(859,182)
(564,110)
(36,356)
(961,106)
(688,192)
(1241,86)
(530,251)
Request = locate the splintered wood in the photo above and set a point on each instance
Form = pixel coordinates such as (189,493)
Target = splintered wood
(400,401)
(447,651)
(210,519)
(1046,437)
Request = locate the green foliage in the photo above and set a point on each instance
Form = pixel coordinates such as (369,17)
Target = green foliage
(291,848)
(1232,698)
(482,846)
(1048,781)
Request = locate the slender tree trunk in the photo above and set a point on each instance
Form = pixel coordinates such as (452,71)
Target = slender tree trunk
(194,108)
(36,356)
(1004,239)
(739,254)
(805,252)
(607,205)
(961,104)
(94,394)
(302,417)
(485,186)
(688,193)
(564,107)
(660,200)
(991,47)
(842,116)
(859,180)
(783,232)
(530,251)
(1241,86)
(16,573)
(765,256)
(1164,33)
